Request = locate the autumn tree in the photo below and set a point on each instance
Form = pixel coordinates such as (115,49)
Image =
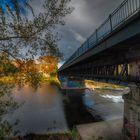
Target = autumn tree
(35,35)
(48,64)
(25,34)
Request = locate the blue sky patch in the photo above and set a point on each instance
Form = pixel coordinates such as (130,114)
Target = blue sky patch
(3,4)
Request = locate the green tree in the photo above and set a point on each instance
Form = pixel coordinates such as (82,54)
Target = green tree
(6,66)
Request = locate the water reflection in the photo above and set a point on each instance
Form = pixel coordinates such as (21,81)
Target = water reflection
(41,111)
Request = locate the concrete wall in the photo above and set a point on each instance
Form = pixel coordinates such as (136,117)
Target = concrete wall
(132,114)
(135,68)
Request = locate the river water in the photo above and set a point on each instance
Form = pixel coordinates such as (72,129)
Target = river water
(43,111)
(40,111)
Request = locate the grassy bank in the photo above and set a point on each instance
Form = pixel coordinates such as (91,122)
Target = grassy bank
(12,80)
(72,135)
(7,79)
(51,80)
(102,86)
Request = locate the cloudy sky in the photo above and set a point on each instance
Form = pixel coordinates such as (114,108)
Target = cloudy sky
(86,17)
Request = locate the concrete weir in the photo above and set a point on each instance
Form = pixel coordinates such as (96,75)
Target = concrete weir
(106,130)
(104,104)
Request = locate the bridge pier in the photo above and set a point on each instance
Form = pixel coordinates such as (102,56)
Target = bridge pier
(114,55)
(131,127)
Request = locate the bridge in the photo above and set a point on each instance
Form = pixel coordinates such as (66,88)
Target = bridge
(112,53)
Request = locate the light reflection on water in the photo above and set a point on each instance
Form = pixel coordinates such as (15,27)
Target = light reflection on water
(41,111)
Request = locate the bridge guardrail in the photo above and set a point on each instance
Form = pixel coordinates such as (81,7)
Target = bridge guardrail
(127,9)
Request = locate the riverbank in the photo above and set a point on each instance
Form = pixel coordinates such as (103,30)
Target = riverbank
(72,135)
(14,80)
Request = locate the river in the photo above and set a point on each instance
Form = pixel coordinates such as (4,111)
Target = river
(40,111)
(45,110)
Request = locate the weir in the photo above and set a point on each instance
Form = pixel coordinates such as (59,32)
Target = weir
(112,54)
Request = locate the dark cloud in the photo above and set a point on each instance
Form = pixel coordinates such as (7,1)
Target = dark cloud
(86,17)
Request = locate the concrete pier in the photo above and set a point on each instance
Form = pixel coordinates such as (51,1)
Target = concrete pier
(131,128)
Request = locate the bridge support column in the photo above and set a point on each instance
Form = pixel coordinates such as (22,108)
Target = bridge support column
(131,127)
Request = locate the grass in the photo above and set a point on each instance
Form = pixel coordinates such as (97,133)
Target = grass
(50,80)
(72,135)
(7,79)
(101,85)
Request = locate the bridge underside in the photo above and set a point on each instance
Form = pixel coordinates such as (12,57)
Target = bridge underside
(116,58)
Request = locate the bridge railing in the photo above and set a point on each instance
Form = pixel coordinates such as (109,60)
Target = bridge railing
(126,10)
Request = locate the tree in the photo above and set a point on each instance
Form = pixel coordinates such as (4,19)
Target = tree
(26,35)
(48,64)
(36,33)
(7,67)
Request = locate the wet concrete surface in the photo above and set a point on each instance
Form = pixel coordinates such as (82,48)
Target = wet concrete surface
(108,104)
(105,130)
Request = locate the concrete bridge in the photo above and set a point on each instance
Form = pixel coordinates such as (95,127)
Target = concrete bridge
(112,53)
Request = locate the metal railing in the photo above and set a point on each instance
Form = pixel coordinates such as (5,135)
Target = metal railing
(126,10)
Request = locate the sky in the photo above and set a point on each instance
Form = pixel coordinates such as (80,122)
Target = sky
(10,3)
(86,17)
